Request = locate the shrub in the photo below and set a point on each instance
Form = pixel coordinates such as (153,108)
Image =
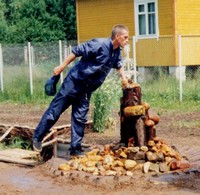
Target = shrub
(104,100)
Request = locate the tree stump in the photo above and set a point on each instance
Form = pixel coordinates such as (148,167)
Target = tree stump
(136,127)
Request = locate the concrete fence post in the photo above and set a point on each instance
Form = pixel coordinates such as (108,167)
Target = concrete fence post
(25,55)
(1,68)
(61,59)
(134,59)
(30,68)
(180,68)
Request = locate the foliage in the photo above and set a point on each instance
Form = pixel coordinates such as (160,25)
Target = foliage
(16,142)
(104,99)
(37,21)
(3,24)
(67,12)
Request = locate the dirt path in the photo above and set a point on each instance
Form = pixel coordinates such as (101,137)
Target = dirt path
(46,179)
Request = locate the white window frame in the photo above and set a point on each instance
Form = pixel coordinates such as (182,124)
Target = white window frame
(136,13)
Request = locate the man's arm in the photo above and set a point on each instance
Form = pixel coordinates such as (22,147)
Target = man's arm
(122,73)
(61,67)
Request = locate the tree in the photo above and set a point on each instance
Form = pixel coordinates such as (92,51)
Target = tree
(66,10)
(3,24)
(38,20)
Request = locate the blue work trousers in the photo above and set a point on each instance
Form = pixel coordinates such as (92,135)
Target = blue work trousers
(70,94)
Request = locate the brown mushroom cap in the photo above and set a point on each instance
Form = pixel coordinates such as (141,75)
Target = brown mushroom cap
(149,123)
(146,105)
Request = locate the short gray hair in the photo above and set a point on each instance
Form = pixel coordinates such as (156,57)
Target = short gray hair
(118,29)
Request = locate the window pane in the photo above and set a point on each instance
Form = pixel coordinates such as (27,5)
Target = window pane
(142,25)
(151,7)
(141,8)
(151,24)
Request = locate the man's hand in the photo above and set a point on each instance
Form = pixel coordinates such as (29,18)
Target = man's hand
(124,83)
(61,67)
(58,70)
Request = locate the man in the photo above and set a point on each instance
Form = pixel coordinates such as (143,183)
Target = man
(98,56)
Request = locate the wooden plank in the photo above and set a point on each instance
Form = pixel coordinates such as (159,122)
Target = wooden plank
(19,153)
(6,133)
(19,156)
(62,127)
(49,135)
(53,141)
(24,153)
(18,160)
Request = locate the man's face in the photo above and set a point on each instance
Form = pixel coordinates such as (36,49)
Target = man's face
(122,38)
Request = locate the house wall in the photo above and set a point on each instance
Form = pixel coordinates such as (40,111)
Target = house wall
(190,50)
(166,17)
(188,25)
(155,52)
(188,14)
(161,51)
(96,18)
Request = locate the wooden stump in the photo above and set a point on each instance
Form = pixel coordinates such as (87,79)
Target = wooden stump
(133,116)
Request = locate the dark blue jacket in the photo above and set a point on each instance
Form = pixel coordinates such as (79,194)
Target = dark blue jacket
(97,59)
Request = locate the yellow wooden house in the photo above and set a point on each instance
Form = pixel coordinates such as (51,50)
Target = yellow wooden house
(155,24)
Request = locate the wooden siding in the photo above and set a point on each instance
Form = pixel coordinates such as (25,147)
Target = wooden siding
(190,50)
(153,52)
(166,17)
(96,18)
(188,17)
(167,27)
(188,23)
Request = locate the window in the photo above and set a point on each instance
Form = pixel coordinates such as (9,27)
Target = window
(146,18)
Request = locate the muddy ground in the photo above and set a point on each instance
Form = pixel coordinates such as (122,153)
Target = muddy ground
(179,129)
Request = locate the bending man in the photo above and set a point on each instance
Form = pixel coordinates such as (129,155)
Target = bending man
(98,56)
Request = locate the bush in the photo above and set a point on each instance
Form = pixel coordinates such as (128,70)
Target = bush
(104,100)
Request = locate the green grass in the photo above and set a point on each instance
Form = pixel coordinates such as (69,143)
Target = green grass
(189,124)
(2,146)
(17,84)
(16,142)
(164,94)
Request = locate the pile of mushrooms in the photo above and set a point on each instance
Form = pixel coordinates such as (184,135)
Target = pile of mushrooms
(112,159)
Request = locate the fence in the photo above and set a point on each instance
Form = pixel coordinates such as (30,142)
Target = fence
(171,63)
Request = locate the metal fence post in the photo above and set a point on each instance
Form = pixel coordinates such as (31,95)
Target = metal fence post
(30,68)
(32,56)
(25,55)
(1,68)
(180,68)
(61,60)
(134,58)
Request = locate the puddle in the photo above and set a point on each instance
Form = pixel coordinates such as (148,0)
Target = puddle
(63,150)
(186,179)
(24,182)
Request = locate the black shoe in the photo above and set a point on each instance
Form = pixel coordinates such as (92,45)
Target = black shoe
(78,153)
(37,145)
(80,149)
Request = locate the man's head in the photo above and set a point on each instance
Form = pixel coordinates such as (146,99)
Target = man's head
(120,35)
